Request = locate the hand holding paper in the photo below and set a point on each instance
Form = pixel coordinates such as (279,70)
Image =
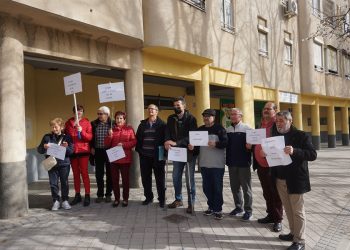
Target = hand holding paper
(274,150)
(56,151)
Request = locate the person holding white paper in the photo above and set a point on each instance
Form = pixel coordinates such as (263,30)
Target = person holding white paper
(212,163)
(81,132)
(121,135)
(60,172)
(293,180)
(239,161)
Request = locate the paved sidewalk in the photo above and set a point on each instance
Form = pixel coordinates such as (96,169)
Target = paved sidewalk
(100,226)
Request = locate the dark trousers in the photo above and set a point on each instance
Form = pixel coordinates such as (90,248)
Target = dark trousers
(101,160)
(212,187)
(146,166)
(273,202)
(123,170)
(56,174)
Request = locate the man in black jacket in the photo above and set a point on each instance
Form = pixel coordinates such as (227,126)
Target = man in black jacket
(150,141)
(293,181)
(177,135)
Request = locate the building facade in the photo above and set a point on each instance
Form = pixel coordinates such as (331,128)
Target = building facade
(218,54)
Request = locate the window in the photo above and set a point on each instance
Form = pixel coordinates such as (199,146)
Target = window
(347,66)
(329,12)
(227,15)
(263,37)
(200,4)
(318,56)
(288,43)
(332,62)
(316,7)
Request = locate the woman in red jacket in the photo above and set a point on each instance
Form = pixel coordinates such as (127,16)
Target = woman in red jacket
(81,133)
(121,135)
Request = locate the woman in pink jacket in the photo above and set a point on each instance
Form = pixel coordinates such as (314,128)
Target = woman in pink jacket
(81,133)
(121,135)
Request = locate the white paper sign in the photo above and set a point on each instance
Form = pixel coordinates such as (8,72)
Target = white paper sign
(72,84)
(56,151)
(273,148)
(199,138)
(111,92)
(177,154)
(115,153)
(254,136)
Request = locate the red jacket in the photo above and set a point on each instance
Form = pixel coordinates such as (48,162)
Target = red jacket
(80,145)
(126,136)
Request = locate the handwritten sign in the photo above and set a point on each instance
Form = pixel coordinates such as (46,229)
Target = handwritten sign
(273,148)
(177,154)
(254,136)
(199,138)
(72,84)
(56,151)
(111,92)
(115,153)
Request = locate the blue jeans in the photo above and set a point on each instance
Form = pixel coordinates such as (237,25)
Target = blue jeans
(212,187)
(56,174)
(177,180)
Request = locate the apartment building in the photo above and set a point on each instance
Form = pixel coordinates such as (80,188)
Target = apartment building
(217,53)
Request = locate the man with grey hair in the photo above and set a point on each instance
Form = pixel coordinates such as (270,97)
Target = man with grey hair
(239,160)
(293,180)
(100,128)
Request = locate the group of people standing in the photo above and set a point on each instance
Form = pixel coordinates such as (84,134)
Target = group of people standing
(283,186)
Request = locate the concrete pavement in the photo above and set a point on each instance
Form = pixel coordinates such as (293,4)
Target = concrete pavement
(100,226)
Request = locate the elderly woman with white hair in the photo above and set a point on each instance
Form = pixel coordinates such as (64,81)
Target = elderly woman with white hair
(100,128)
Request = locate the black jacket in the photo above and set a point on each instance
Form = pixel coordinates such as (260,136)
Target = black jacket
(94,124)
(51,138)
(159,126)
(172,128)
(297,173)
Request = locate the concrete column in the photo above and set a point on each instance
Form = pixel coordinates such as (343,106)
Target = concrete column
(331,127)
(298,115)
(13,173)
(277,99)
(134,106)
(244,100)
(202,94)
(345,126)
(315,125)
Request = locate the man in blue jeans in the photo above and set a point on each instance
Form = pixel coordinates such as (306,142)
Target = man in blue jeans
(177,135)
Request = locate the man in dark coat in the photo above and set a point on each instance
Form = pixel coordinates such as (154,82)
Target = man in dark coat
(293,180)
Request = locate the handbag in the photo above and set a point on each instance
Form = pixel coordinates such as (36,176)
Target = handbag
(50,161)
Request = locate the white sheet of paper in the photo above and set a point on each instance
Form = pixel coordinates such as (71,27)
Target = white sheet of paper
(56,151)
(72,84)
(177,154)
(273,148)
(254,136)
(115,153)
(111,92)
(199,138)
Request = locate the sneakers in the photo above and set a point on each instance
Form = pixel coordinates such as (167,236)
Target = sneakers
(247,216)
(237,212)
(87,200)
(76,200)
(286,237)
(175,204)
(265,220)
(208,212)
(218,216)
(55,206)
(65,205)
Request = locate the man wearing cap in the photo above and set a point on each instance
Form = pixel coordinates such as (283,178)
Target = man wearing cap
(177,135)
(212,163)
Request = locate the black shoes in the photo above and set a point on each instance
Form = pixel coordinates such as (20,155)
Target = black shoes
(277,227)
(286,237)
(76,200)
(296,246)
(147,201)
(265,220)
(108,199)
(161,204)
(87,200)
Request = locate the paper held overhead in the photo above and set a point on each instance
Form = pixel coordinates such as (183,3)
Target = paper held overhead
(111,92)
(72,84)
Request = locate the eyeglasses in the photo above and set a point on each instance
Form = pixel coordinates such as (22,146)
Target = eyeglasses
(100,113)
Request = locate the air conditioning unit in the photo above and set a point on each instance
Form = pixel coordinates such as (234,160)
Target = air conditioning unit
(291,8)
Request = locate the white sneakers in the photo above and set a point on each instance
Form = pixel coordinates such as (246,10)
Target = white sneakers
(56,205)
(65,205)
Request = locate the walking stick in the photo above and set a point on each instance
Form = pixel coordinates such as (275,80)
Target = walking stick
(189,188)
